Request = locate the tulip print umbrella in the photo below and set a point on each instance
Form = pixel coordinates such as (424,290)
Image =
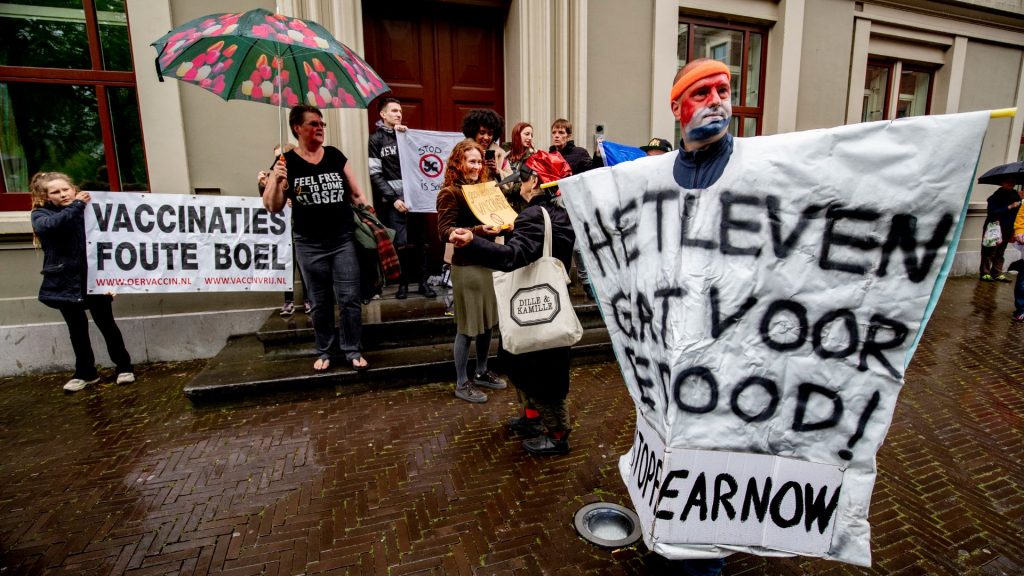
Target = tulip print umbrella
(265,57)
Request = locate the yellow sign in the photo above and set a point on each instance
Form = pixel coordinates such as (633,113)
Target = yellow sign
(489,204)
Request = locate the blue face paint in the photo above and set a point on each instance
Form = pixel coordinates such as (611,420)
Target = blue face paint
(708,130)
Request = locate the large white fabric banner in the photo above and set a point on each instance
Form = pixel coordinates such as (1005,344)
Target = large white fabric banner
(423,154)
(763,325)
(147,243)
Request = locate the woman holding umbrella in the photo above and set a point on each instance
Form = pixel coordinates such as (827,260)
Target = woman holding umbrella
(320,183)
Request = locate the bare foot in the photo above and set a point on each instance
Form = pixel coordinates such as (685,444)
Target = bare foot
(359,364)
(321,364)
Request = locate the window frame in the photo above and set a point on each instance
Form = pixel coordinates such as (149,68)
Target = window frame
(739,110)
(896,68)
(96,77)
(902,66)
(889,65)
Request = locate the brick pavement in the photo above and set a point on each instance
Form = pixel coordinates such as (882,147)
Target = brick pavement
(136,480)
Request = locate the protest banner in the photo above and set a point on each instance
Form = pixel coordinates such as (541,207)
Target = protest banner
(422,155)
(147,243)
(763,325)
(489,204)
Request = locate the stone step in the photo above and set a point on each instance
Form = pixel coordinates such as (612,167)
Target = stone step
(406,342)
(244,368)
(390,323)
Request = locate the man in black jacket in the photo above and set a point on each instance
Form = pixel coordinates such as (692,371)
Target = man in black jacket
(561,142)
(386,182)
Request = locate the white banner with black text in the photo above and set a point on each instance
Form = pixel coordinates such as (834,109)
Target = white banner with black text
(763,325)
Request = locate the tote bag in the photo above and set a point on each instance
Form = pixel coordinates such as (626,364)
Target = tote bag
(534,311)
(993,235)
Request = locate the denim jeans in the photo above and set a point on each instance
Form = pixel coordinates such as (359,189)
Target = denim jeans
(331,274)
(78,329)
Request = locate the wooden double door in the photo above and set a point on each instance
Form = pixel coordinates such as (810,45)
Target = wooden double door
(440,59)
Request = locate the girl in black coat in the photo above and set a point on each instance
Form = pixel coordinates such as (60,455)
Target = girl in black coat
(541,377)
(58,222)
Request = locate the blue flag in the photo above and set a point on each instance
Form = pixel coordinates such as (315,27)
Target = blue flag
(615,153)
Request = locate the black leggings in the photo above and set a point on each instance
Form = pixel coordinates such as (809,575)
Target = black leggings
(78,329)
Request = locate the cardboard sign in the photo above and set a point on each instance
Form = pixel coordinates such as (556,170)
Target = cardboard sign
(488,204)
(763,325)
(148,243)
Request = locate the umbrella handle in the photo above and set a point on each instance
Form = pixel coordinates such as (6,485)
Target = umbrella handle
(156,61)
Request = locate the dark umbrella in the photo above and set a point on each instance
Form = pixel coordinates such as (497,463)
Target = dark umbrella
(261,56)
(1014,172)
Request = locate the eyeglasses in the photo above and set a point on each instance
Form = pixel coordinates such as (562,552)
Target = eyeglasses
(316,124)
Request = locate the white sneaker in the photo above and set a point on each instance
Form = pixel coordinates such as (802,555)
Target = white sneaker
(125,378)
(76,384)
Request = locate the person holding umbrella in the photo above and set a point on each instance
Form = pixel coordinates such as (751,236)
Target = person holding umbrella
(1002,209)
(322,188)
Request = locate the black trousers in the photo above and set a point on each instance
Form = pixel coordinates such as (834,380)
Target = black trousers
(78,329)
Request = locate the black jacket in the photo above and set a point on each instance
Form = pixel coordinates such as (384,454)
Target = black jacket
(526,244)
(385,169)
(61,231)
(999,210)
(700,169)
(578,158)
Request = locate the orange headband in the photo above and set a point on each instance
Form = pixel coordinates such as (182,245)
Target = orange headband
(699,72)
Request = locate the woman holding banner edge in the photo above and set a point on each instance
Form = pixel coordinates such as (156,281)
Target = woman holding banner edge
(476,308)
(320,183)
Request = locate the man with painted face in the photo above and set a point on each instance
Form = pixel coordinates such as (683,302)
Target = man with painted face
(701,103)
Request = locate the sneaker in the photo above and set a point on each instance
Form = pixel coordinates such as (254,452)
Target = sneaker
(546,445)
(490,380)
(403,292)
(987,278)
(1003,278)
(309,307)
(126,378)
(469,393)
(76,384)
(1016,318)
(426,291)
(528,427)
(288,309)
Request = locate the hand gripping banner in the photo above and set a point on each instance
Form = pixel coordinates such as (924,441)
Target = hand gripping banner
(763,325)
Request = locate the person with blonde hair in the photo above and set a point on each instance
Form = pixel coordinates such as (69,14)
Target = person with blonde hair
(58,225)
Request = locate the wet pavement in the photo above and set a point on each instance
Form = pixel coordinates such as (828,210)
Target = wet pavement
(137,480)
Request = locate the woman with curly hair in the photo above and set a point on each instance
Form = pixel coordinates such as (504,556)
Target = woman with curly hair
(485,127)
(476,309)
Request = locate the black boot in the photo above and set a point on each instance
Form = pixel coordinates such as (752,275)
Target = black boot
(403,292)
(547,445)
(426,291)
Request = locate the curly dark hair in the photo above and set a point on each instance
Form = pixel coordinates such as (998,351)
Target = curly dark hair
(453,168)
(483,117)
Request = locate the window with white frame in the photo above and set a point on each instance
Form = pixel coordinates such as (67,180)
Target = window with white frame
(896,89)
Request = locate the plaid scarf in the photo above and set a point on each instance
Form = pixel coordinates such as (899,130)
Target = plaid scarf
(385,248)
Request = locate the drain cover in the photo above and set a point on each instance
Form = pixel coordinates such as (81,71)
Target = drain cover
(607,525)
